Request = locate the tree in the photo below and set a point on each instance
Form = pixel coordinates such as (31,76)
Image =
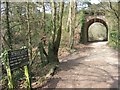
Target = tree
(43,16)
(0,31)
(71,24)
(82,34)
(29,30)
(115,11)
(111,10)
(9,33)
(119,17)
(54,41)
(54,46)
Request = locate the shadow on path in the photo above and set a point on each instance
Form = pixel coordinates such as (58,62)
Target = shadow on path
(75,71)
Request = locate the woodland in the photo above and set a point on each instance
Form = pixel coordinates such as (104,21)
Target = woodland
(50,31)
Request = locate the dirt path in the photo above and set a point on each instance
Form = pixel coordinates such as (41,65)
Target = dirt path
(94,66)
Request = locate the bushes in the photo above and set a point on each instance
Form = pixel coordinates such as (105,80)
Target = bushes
(114,39)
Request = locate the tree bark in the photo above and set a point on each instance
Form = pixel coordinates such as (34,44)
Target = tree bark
(9,33)
(119,27)
(43,54)
(29,31)
(54,46)
(70,25)
(53,19)
(0,31)
(43,16)
(72,22)
(58,39)
(69,17)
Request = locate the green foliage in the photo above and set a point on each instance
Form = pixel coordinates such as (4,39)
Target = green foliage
(13,77)
(28,82)
(19,34)
(42,55)
(4,57)
(82,26)
(97,32)
(5,62)
(114,39)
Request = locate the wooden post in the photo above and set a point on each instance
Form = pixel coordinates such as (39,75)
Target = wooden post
(17,59)
(27,78)
(10,81)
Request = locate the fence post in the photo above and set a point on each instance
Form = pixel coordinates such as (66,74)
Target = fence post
(10,81)
(27,77)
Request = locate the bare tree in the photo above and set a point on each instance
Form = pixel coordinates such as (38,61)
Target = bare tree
(54,42)
(54,46)
(72,23)
(29,30)
(9,33)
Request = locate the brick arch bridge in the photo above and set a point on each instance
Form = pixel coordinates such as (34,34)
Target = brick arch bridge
(89,20)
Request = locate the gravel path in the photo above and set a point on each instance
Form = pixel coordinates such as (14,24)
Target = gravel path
(95,66)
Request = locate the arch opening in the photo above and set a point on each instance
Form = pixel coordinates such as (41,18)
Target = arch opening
(97,32)
(92,22)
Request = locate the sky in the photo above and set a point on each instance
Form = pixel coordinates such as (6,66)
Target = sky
(47,11)
(95,1)
(92,1)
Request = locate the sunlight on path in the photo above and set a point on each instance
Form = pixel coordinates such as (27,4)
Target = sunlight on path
(99,43)
(96,66)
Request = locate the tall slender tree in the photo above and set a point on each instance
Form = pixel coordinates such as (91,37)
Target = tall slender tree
(0,31)
(29,30)
(54,41)
(72,18)
(9,33)
(43,16)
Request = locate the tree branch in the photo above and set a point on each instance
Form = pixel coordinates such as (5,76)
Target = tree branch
(110,4)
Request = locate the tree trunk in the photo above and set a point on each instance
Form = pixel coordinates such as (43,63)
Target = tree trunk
(43,16)
(52,56)
(69,17)
(54,46)
(54,42)
(119,17)
(53,19)
(72,22)
(0,31)
(58,39)
(70,25)
(9,34)
(29,31)
(119,27)
(43,54)
(82,34)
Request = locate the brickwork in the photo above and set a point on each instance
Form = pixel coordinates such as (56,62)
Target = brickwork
(92,19)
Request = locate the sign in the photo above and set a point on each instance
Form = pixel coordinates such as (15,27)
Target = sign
(18,58)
